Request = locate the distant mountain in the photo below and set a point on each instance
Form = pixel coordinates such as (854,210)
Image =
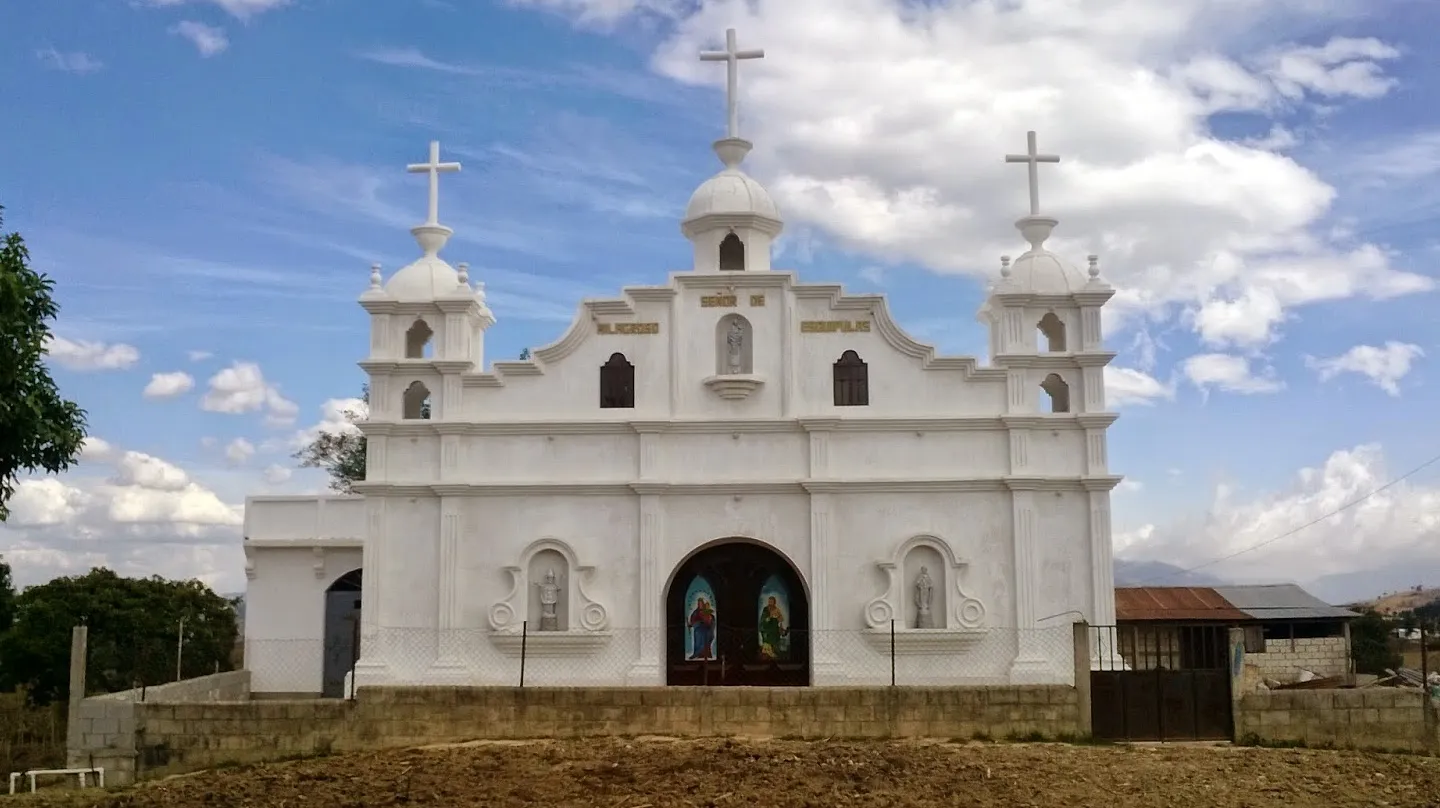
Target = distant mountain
(1158,573)
(1364,585)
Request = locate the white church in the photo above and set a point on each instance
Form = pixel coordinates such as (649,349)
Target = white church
(731,478)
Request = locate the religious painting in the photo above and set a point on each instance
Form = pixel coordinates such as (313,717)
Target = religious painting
(700,622)
(774,619)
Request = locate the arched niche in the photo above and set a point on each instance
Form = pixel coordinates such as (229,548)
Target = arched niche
(548,572)
(732,253)
(418,339)
(958,618)
(583,621)
(734,346)
(1050,333)
(415,402)
(341,632)
(1058,393)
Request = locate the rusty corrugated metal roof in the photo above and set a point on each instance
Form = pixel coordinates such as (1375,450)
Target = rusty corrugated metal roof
(1189,603)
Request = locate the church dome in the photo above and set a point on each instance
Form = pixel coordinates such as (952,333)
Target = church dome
(430,276)
(1042,272)
(424,280)
(732,191)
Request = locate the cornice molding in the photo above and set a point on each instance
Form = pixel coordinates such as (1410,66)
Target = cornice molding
(746,426)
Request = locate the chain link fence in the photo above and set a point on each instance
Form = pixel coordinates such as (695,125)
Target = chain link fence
(635,656)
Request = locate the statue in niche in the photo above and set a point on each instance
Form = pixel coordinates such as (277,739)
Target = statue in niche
(549,601)
(924,596)
(735,348)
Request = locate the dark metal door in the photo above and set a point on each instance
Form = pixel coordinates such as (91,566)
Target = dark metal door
(1161,683)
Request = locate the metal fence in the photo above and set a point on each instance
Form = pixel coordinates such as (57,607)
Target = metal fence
(635,656)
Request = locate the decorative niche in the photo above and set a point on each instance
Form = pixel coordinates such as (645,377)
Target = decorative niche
(734,377)
(923,602)
(549,608)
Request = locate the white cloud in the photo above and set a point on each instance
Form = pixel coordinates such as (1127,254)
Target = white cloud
(86,355)
(276,474)
(1395,526)
(238,451)
(169,385)
(72,62)
(604,12)
(239,9)
(1128,386)
(1230,373)
(146,516)
(885,127)
(198,356)
(242,388)
(207,39)
(1384,366)
(337,417)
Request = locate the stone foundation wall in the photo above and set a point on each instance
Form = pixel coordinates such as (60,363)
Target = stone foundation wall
(103,730)
(182,737)
(1370,718)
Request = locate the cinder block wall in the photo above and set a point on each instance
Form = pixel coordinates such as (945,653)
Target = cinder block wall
(103,731)
(1370,718)
(1283,660)
(183,737)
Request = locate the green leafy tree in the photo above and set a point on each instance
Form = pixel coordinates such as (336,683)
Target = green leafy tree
(134,624)
(340,454)
(39,430)
(1372,643)
(7,598)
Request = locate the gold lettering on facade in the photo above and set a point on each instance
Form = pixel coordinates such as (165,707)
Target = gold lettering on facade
(627,328)
(718,302)
(834,326)
(757,300)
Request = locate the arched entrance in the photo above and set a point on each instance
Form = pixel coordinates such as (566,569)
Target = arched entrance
(736,613)
(342,633)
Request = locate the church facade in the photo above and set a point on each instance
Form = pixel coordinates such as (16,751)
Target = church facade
(734,477)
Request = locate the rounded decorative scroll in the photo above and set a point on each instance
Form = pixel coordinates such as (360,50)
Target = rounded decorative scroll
(879,613)
(970,612)
(501,615)
(593,617)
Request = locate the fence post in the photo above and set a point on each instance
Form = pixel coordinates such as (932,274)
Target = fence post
(1081,638)
(524,634)
(892,652)
(79,653)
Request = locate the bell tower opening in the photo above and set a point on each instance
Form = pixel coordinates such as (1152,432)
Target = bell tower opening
(732,253)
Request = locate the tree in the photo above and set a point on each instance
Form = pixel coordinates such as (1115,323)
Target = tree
(341,454)
(1372,645)
(7,598)
(39,430)
(134,630)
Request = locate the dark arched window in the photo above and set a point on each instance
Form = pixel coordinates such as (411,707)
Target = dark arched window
(732,253)
(617,383)
(852,381)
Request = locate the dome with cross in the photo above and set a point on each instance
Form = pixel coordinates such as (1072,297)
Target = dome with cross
(1039,271)
(732,191)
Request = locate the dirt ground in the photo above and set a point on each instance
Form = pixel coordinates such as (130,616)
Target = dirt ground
(660,773)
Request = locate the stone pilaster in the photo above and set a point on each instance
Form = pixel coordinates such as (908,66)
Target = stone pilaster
(447,619)
(1102,559)
(1030,663)
(824,648)
(647,667)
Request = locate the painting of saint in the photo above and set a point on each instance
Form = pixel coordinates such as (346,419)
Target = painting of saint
(774,620)
(700,620)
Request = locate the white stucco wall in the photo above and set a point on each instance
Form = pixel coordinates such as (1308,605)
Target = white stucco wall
(295,548)
(949,457)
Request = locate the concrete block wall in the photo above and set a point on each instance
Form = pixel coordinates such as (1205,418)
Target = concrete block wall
(1370,718)
(1283,660)
(103,730)
(183,737)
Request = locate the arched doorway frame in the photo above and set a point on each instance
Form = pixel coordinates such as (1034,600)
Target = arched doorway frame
(727,677)
(340,631)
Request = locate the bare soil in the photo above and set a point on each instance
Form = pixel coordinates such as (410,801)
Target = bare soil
(660,773)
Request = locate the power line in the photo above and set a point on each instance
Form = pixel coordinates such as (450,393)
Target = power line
(1287,534)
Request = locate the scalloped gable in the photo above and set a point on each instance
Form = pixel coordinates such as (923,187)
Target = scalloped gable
(874,304)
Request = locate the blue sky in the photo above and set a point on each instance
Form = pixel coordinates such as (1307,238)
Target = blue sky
(1259,179)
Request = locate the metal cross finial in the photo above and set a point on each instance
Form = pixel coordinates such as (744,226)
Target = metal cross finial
(1034,158)
(731,56)
(434,168)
